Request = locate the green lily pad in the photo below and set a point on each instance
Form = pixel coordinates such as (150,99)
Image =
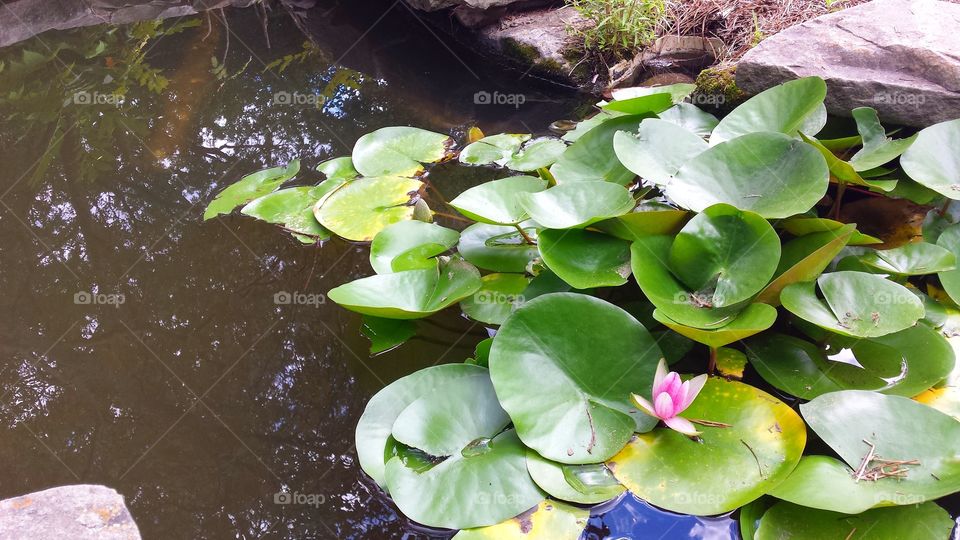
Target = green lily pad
(802,226)
(803,259)
(450,417)
(767,173)
(412,294)
(729,467)
(498,296)
(945,396)
(588,125)
(496,202)
(903,363)
(677,92)
(750,516)
(595,482)
(549,520)
(386,334)
(641,104)
(648,256)
(376,424)
(691,118)
(498,248)
(754,319)
(398,151)
(899,429)
(292,209)
(577,205)
(786,108)
(643,222)
(731,363)
(341,167)
(725,255)
(494,149)
(949,239)
(932,161)
(657,150)
(914,259)
(855,304)
(537,154)
(362,208)
(581,412)
(250,187)
(844,171)
(923,522)
(585,259)
(410,245)
(878,149)
(592,157)
(482,485)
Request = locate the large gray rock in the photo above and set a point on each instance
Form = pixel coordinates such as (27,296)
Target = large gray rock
(901,57)
(435,5)
(82,512)
(22,19)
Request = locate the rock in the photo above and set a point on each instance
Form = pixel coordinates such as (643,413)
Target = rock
(82,512)
(436,5)
(901,57)
(538,41)
(22,19)
(668,53)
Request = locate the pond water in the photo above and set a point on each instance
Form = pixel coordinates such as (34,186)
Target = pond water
(145,349)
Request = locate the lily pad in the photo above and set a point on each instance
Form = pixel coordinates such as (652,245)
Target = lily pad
(767,173)
(878,149)
(657,150)
(412,294)
(932,161)
(640,104)
(855,304)
(410,245)
(644,222)
(494,149)
(725,255)
(945,396)
(594,483)
(903,363)
(923,522)
(341,167)
(292,209)
(498,248)
(949,239)
(899,429)
(362,208)
(496,202)
(802,226)
(648,256)
(914,259)
(549,520)
(386,334)
(691,118)
(577,204)
(250,187)
(398,151)
(729,467)
(592,157)
(843,171)
(482,485)
(536,154)
(498,296)
(805,258)
(786,108)
(754,319)
(376,423)
(585,259)
(581,411)
(677,92)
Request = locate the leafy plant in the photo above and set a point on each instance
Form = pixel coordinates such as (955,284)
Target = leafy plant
(619,27)
(722,226)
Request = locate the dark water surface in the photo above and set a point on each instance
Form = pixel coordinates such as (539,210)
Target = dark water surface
(142,348)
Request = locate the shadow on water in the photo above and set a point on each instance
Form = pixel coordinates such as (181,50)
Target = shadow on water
(143,348)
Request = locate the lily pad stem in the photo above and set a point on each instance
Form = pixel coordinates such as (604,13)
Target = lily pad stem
(835,211)
(712,363)
(526,238)
(453,217)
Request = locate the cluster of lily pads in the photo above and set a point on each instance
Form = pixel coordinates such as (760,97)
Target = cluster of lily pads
(730,231)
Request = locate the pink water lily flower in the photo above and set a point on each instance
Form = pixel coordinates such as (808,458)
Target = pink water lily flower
(671,397)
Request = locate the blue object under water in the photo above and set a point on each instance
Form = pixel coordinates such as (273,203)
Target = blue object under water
(629,518)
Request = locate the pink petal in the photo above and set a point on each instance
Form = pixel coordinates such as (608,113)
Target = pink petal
(644,405)
(661,374)
(663,406)
(693,390)
(671,385)
(682,425)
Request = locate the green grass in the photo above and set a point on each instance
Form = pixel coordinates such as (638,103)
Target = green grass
(620,27)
